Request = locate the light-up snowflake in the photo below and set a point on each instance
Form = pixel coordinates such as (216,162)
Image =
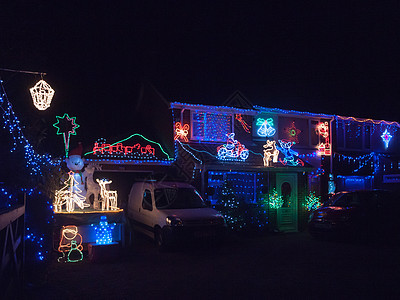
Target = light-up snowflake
(386,137)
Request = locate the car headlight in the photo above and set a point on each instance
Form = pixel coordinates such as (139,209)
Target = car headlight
(173,221)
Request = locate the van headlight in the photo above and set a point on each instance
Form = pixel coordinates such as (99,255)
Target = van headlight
(173,221)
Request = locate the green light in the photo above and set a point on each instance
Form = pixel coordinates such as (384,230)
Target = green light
(133,135)
(66,126)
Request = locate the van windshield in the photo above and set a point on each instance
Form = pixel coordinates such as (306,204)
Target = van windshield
(178,198)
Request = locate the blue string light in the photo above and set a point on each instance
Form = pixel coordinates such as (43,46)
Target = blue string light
(34,161)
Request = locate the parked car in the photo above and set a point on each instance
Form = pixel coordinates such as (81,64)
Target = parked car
(359,214)
(171,212)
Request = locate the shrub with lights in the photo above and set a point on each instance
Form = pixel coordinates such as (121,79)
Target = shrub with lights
(23,169)
(312,202)
(274,200)
(241,216)
(229,207)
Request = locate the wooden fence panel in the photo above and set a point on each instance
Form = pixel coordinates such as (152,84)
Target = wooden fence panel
(12,226)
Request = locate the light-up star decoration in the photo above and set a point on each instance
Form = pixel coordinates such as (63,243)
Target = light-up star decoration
(386,137)
(293,133)
(66,126)
(42,94)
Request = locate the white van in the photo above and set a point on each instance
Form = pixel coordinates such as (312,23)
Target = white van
(172,211)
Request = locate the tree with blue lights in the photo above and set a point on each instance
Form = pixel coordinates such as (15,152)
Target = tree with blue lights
(229,207)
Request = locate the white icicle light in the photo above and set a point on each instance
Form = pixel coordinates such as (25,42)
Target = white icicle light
(42,93)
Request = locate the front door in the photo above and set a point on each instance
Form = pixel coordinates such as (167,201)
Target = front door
(286,184)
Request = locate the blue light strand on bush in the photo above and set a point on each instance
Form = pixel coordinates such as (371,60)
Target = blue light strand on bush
(37,241)
(34,161)
(38,221)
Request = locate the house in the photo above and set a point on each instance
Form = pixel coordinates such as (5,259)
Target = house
(257,149)
(366,153)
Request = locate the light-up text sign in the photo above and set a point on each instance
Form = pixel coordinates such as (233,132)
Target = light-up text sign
(120,150)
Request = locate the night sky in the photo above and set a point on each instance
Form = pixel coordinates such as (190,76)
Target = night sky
(319,56)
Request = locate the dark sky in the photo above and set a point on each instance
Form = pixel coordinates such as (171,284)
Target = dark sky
(320,56)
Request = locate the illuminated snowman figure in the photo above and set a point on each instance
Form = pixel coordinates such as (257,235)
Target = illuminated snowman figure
(103,231)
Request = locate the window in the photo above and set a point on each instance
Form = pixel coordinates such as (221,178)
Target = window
(146,203)
(354,135)
(246,185)
(211,127)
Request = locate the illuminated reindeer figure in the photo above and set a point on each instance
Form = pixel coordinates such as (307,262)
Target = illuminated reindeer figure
(108,198)
(270,151)
(92,188)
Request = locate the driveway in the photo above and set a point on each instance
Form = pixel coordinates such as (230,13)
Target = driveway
(283,266)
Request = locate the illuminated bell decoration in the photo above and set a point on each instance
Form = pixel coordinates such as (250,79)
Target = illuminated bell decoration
(42,94)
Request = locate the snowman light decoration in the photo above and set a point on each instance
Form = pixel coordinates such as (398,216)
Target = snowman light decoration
(75,164)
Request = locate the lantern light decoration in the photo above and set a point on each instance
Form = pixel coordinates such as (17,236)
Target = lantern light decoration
(103,231)
(42,94)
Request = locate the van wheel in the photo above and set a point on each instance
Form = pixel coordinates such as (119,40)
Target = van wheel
(159,239)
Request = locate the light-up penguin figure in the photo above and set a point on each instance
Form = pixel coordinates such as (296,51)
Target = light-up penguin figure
(285,148)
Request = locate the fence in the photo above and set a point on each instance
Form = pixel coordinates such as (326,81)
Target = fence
(12,252)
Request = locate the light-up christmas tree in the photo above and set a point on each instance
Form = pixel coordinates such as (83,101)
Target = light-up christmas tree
(230,207)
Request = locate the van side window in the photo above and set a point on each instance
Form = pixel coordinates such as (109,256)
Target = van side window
(146,203)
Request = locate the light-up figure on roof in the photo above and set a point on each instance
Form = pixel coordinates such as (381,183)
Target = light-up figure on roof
(246,127)
(293,133)
(324,148)
(232,149)
(386,137)
(285,148)
(181,132)
(270,153)
(266,127)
